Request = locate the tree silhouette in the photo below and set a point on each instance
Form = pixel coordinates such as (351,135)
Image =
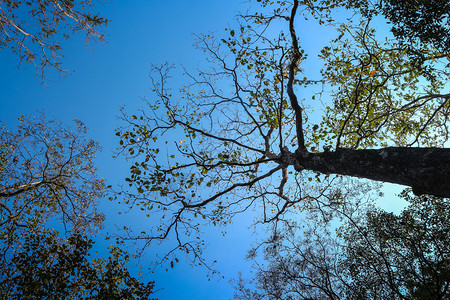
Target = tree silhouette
(50,267)
(374,255)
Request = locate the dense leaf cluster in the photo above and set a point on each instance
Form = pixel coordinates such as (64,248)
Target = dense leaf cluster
(420,22)
(47,267)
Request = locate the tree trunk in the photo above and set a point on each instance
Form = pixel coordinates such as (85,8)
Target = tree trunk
(426,170)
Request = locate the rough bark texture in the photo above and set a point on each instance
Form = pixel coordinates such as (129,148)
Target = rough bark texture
(426,170)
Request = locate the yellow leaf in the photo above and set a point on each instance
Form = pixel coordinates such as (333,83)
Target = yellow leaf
(173,156)
(372,73)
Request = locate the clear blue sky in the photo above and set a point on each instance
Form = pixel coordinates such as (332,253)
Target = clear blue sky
(108,77)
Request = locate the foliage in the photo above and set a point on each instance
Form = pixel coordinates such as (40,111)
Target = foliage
(254,129)
(410,253)
(47,267)
(378,255)
(47,177)
(33,29)
(417,23)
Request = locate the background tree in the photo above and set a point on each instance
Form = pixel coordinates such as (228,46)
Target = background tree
(33,29)
(416,24)
(374,255)
(49,188)
(47,177)
(240,136)
(48,267)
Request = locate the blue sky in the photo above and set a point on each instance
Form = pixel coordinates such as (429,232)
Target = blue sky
(107,77)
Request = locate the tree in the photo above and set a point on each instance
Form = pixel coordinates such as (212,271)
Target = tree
(378,256)
(241,136)
(47,175)
(416,23)
(49,188)
(48,267)
(33,30)
(410,252)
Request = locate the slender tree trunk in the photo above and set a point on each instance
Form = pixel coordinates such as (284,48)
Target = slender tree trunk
(426,170)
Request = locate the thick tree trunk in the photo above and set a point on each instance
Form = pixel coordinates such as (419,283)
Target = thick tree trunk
(426,170)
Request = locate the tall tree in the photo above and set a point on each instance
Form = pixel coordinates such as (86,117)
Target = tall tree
(251,128)
(378,255)
(33,29)
(47,174)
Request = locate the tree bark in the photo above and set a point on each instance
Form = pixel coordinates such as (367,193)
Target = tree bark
(426,170)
